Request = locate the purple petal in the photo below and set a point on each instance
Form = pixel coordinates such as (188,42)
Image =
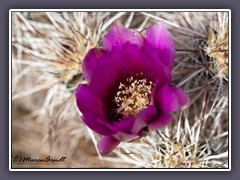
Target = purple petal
(90,62)
(143,118)
(92,107)
(156,69)
(105,79)
(159,37)
(154,93)
(87,100)
(115,66)
(122,136)
(107,124)
(119,35)
(107,144)
(98,125)
(171,99)
(134,57)
(161,121)
(138,61)
(125,124)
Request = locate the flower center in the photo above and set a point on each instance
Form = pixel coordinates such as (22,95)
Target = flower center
(133,96)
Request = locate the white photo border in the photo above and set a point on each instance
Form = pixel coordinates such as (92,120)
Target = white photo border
(115,10)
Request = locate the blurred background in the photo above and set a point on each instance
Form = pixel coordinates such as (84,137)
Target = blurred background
(47,53)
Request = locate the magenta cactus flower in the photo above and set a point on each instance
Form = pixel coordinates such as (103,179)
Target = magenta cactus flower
(128,88)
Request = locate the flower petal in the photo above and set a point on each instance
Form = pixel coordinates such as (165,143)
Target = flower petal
(134,57)
(138,61)
(119,35)
(159,37)
(161,121)
(105,79)
(100,128)
(171,99)
(122,136)
(92,107)
(154,93)
(107,144)
(87,100)
(90,61)
(156,69)
(125,124)
(143,118)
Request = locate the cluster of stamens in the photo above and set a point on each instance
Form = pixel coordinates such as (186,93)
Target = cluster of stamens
(133,96)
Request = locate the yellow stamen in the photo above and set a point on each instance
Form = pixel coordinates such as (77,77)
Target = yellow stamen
(133,96)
